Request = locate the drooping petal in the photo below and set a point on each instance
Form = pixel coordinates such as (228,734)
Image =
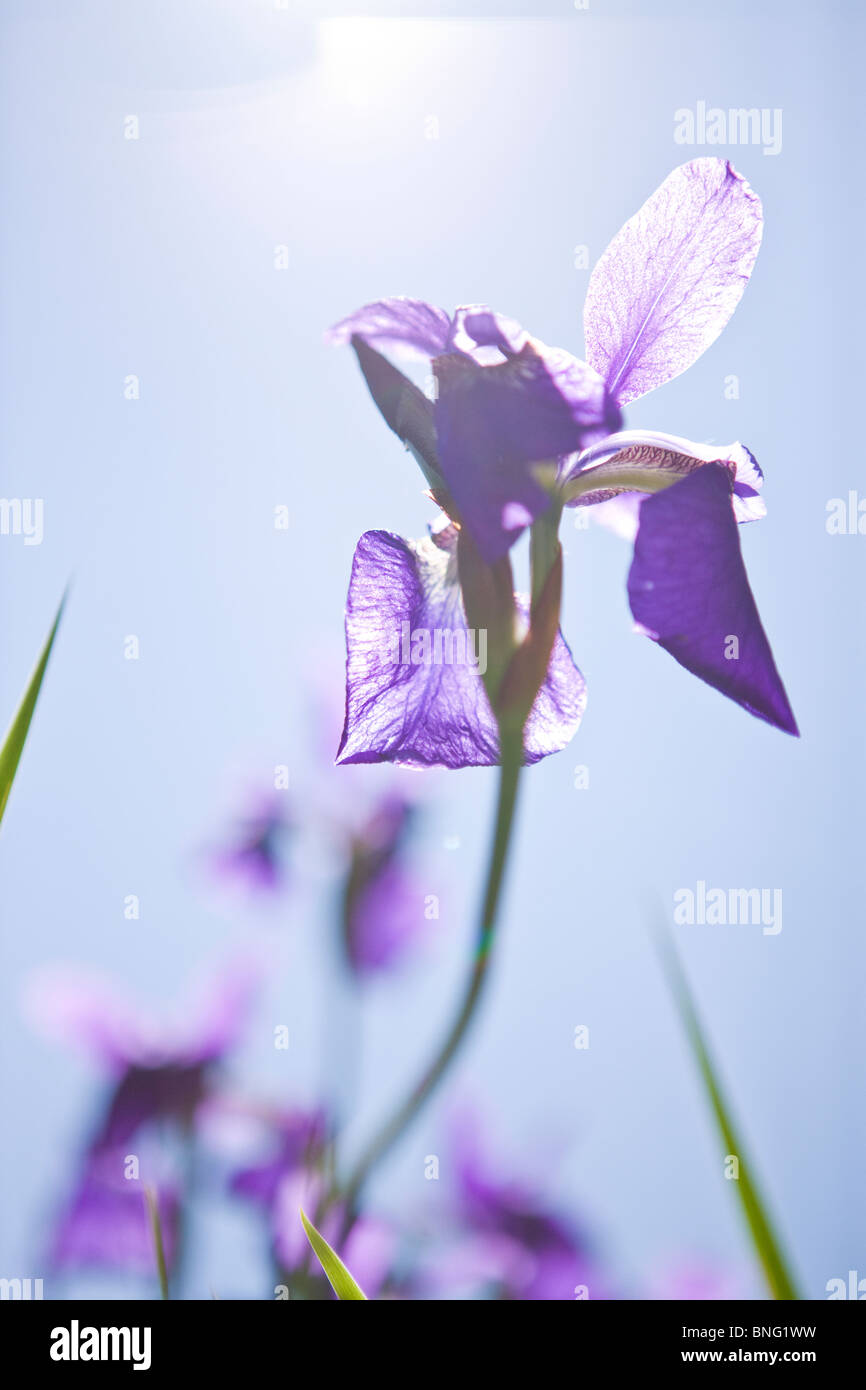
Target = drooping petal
(407,411)
(647,460)
(669,281)
(499,424)
(412,325)
(145,1095)
(688,590)
(414,693)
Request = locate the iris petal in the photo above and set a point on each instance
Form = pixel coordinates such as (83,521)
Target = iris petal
(669,281)
(688,590)
(661,458)
(497,424)
(414,694)
(411,324)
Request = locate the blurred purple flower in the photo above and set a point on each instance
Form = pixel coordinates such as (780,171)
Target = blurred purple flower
(159,1075)
(291,1177)
(106,1222)
(160,1070)
(509,1242)
(297,1140)
(382,903)
(368,1250)
(253,857)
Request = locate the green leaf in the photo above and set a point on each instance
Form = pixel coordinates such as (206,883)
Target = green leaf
(340,1279)
(764,1239)
(13,744)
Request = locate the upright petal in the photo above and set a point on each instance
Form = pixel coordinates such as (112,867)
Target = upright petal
(485,335)
(408,324)
(671,278)
(689,592)
(498,424)
(414,693)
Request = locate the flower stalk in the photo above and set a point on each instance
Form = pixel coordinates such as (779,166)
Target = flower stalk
(509,779)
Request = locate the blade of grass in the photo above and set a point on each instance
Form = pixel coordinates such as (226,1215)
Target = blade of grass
(340,1279)
(13,743)
(159,1247)
(779,1279)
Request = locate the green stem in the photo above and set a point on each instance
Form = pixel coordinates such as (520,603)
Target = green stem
(544,546)
(509,776)
(152,1202)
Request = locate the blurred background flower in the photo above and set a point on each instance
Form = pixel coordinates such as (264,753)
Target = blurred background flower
(253,856)
(506,1241)
(155,1076)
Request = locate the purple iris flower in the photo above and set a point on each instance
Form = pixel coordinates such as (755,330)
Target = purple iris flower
(291,1176)
(505,403)
(492,446)
(159,1077)
(160,1071)
(510,1242)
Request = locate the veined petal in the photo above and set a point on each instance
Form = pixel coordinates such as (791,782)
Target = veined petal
(497,425)
(689,592)
(418,328)
(646,461)
(669,281)
(414,693)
